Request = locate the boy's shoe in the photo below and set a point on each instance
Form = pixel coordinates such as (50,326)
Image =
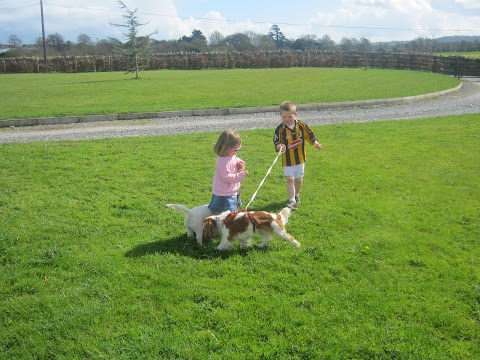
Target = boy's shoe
(297,199)
(292,204)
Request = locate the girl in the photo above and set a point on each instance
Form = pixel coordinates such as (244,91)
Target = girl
(229,173)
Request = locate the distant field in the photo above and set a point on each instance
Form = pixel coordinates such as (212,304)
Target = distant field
(475,55)
(55,95)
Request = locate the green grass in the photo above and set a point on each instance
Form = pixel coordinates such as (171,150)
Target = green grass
(95,266)
(53,95)
(475,55)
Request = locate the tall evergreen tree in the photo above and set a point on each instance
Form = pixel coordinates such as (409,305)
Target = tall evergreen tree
(133,47)
(277,36)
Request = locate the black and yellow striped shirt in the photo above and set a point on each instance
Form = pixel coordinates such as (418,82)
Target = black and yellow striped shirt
(294,139)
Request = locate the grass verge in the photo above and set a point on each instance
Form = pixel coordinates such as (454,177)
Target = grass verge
(56,95)
(95,266)
(473,54)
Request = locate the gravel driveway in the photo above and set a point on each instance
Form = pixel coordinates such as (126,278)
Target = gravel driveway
(464,101)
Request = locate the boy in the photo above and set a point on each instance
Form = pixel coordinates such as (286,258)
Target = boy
(289,138)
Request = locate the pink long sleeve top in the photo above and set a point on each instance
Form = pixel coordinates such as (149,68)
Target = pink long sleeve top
(227,178)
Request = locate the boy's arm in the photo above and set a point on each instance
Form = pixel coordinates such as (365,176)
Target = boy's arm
(276,141)
(317,145)
(312,138)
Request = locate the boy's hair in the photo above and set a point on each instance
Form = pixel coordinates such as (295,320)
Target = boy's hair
(227,140)
(288,106)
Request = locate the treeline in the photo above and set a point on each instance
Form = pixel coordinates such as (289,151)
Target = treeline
(240,42)
(458,66)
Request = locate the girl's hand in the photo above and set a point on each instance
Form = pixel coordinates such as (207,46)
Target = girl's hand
(318,146)
(240,165)
(282,148)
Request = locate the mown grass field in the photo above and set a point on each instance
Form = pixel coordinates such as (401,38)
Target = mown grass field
(94,266)
(473,54)
(56,95)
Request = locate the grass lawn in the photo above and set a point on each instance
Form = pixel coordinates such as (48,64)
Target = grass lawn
(475,55)
(95,266)
(54,95)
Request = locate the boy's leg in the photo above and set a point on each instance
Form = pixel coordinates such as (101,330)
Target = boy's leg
(290,187)
(298,185)
(299,171)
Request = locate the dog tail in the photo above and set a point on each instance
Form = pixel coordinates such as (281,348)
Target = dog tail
(178,207)
(285,214)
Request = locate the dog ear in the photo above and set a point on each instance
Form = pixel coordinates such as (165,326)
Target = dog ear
(209,228)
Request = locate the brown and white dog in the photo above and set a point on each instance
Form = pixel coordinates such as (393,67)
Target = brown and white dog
(244,224)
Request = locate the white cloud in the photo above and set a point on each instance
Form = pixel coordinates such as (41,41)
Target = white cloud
(404,6)
(468,4)
(378,20)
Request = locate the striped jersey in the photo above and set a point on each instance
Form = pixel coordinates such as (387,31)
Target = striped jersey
(294,139)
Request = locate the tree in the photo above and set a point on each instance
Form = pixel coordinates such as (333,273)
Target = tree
(260,41)
(84,45)
(365,45)
(107,46)
(165,46)
(277,36)
(84,39)
(327,44)
(14,41)
(56,42)
(347,44)
(133,48)
(238,42)
(216,38)
(196,42)
(307,42)
(196,35)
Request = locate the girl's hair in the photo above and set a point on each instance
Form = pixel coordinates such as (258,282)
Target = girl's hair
(227,140)
(288,106)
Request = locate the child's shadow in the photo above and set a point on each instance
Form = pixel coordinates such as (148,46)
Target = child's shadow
(272,207)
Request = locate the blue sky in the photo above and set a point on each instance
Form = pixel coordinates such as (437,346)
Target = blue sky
(376,20)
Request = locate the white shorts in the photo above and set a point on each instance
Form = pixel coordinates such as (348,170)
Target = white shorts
(295,171)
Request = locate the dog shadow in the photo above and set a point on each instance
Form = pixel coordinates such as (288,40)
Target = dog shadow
(182,245)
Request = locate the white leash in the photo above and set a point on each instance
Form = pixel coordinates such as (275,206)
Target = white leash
(261,183)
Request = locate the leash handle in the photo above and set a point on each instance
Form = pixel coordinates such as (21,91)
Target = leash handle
(263,180)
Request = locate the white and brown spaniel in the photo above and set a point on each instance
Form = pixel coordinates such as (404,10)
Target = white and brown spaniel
(244,225)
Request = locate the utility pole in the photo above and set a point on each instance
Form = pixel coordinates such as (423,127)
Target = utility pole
(43,35)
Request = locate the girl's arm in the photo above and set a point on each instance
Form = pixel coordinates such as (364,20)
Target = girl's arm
(227,169)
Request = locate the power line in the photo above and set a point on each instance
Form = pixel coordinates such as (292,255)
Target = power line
(255,22)
(19,7)
(277,23)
